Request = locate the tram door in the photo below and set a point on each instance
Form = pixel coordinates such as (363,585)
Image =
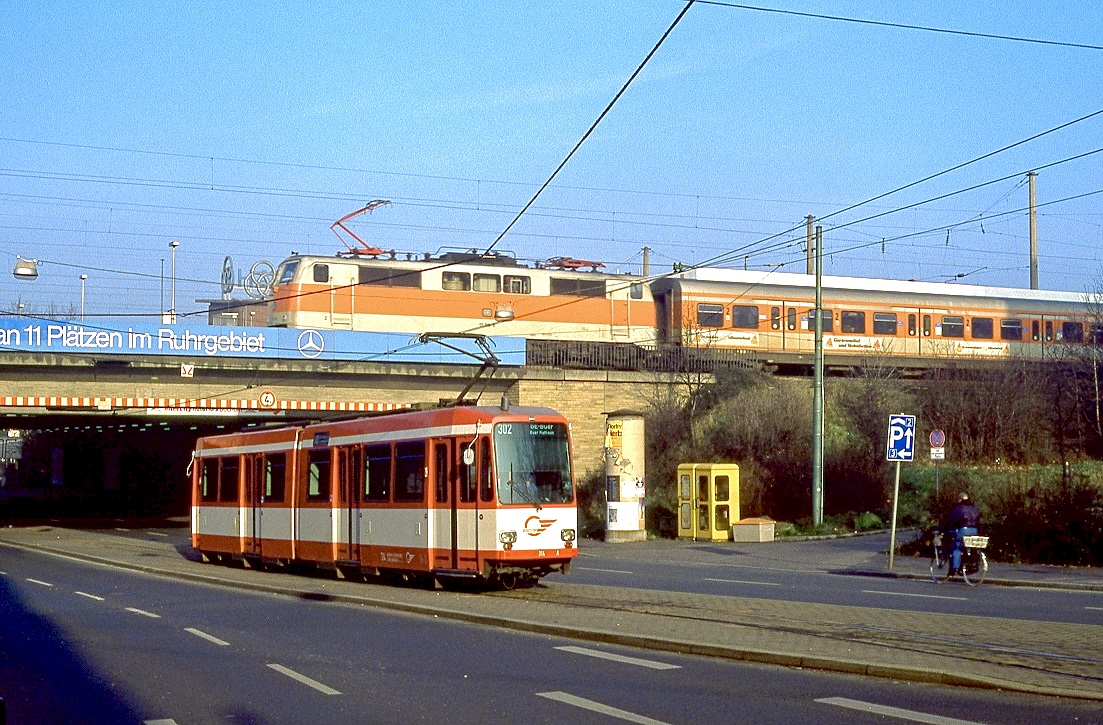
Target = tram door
(252,511)
(350,471)
(445,525)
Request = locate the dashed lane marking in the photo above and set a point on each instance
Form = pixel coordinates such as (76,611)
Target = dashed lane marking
(90,596)
(1095,609)
(157,533)
(743,581)
(143,612)
(209,637)
(165,721)
(324,689)
(597,707)
(40,582)
(607,571)
(896,712)
(919,596)
(623,659)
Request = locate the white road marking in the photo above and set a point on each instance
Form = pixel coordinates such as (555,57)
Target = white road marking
(743,581)
(120,528)
(324,689)
(38,581)
(90,596)
(204,635)
(920,596)
(1095,609)
(3,573)
(166,721)
(607,571)
(623,659)
(896,712)
(598,707)
(157,533)
(143,613)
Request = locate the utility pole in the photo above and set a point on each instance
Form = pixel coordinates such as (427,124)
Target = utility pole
(817,390)
(646,261)
(1033,233)
(808,242)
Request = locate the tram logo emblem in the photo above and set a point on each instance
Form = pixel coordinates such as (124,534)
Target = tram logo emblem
(311,343)
(534,525)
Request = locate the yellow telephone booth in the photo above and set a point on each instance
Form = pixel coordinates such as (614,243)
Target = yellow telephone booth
(708,500)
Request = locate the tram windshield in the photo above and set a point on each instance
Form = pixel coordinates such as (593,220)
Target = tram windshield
(533,463)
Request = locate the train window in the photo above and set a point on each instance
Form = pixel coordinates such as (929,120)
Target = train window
(775,318)
(577,287)
(710,315)
(468,474)
(953,326)
(1072,331)
(1049,330)
(791,318)
(389,277)
(208,480)
(911,325)
(635,291)
(1035,333)
(745,317)
(317,485)
(926,325)
(455,281)
(228,479)
(440,461)
(1011,329)
(377,474)
(487,283)
(321,272)
(854,322)
(828,320)
(287,272)
(409,472)
(982,328)
(884,323)
(518,285)
(275,477)
(486,481)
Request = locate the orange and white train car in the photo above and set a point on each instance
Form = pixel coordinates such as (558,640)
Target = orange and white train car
(453,493)
(457,292)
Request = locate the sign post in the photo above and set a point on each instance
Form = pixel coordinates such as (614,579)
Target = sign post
(938,453)
(901,447)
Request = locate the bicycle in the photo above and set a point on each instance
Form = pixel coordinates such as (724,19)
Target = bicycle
(974,564)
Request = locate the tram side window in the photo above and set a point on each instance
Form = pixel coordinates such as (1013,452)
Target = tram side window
(377,474)
(317,485)
(228,479)
(710,315)
(440,463)
(454,281)
(854,322)
(321,272)
(469,475)
(275,477)
(208,480)
(518,284)
(884,323)
(1072,331)
(486,480)
(953,326)
(409,471)
(982,328)
(745,317)
(487,283)
(828,320)
(1011,329)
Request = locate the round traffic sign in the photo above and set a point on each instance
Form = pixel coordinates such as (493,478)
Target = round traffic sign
(267,399)
(938,438)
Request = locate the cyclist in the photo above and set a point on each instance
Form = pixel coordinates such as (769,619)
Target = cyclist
(962,521)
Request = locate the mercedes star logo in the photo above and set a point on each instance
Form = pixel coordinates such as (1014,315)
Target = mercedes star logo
(311,344)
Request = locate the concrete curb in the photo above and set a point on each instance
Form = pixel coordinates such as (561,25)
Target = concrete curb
(642,641)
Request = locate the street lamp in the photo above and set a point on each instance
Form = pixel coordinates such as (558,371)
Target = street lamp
(83,277)
(172,310)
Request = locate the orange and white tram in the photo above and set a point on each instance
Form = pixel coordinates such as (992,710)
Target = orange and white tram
(466,492)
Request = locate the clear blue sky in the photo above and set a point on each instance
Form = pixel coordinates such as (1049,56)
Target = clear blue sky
(246,129)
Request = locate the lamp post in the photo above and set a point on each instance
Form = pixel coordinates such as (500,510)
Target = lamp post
(172,309)
(83,277)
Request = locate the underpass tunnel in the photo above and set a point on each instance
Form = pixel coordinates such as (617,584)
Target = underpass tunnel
(101,467)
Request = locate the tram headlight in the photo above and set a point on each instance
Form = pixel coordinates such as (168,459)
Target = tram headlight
(568,535)
(507,537)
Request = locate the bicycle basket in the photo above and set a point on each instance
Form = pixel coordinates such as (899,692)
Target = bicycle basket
(975,542)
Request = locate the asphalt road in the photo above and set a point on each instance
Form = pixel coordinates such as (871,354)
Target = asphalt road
(81,642)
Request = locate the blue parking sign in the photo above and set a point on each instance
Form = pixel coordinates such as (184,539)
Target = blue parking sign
(901,439)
